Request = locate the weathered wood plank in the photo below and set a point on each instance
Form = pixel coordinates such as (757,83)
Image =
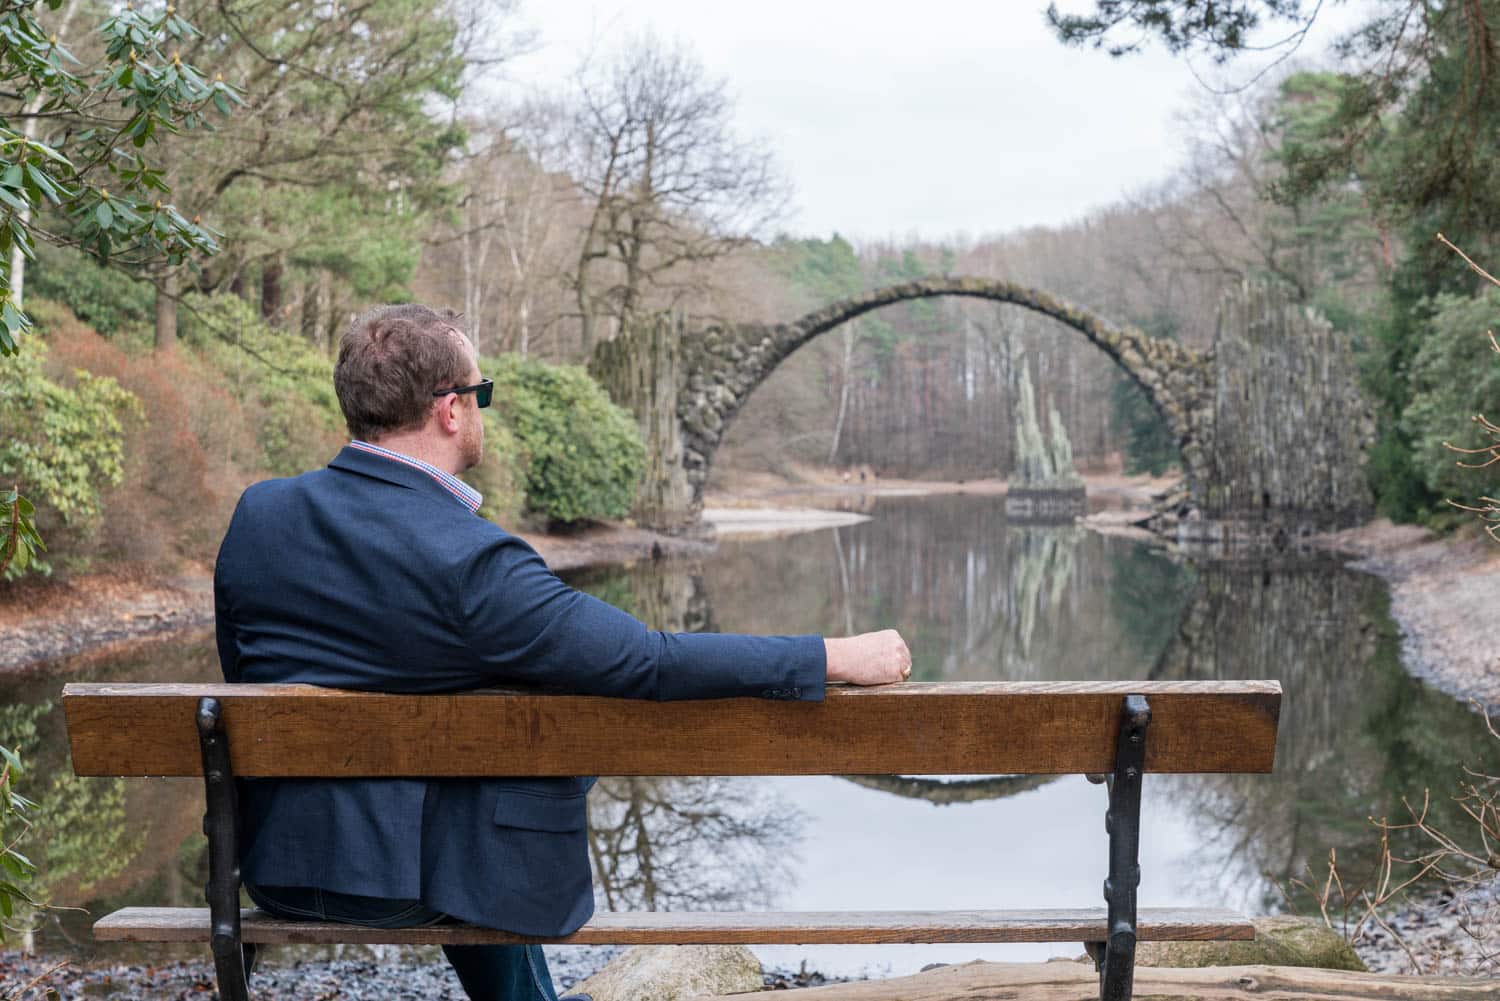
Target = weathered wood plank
(929,729)
(191,924)
(1079,982)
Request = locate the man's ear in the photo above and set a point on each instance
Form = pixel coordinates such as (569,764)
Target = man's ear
(446,411)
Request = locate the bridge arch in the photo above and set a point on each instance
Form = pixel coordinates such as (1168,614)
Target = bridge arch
(721,367)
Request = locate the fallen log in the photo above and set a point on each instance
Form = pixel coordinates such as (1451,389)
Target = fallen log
(1068,981)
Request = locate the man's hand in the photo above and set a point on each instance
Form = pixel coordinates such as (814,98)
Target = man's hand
(869,658)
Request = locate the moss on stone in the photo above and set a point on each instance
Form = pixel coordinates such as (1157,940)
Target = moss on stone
(1284,940)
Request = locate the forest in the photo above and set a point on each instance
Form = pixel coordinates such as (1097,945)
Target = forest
(190,271)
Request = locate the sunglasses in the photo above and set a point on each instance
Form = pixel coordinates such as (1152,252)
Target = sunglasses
(483,392)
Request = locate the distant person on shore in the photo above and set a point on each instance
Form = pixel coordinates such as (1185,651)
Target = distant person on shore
(376,574)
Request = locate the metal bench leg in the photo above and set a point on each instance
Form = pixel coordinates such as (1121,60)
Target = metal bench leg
(1115,958)
(221,824)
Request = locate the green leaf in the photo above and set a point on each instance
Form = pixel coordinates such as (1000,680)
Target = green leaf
(103,215)
(12,318)
(44,183)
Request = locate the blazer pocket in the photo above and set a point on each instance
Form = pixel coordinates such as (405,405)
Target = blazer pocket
(532,812)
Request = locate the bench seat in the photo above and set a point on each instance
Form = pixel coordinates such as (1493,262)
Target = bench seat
(1114,731)
(1160,924)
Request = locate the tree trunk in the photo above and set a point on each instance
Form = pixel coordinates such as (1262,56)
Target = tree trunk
(166,313)
(844,376)
(585,315)
(270,291)
(1078,982)
(17,274)
(309,321)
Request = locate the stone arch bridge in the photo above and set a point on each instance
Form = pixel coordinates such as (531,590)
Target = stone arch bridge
(1278,377)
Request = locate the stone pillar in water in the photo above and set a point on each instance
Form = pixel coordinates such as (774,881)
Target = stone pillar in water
(1043,485)
(641,369)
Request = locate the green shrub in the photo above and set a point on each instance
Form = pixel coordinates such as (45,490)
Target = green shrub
(1447,380)
(284,383)
(63,445)
(107,299)
(501,477)
(15,868)
(582,456)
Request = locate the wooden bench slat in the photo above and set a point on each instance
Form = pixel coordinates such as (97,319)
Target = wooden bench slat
(191,924)
(912,728)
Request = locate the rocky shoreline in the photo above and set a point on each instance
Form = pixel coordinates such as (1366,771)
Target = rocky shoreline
(1442,599)
(1444,933)
(1442,593)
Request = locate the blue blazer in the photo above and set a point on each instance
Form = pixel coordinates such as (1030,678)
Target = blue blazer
(371,575)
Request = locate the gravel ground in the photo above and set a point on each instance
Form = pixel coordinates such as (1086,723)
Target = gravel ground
(1447,934)
(379,974)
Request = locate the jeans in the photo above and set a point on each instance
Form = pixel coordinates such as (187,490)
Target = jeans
(487,972)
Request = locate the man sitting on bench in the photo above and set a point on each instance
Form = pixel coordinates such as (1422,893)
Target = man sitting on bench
(376,574)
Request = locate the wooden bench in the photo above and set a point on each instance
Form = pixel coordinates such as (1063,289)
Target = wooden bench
(1113,732)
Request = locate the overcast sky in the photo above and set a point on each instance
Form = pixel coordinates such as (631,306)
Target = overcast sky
(926,117)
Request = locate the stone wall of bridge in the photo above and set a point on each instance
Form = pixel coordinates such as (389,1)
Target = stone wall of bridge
(1270,424)
(1289,426)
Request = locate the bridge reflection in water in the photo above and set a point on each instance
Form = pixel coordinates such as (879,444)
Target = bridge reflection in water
(977,600)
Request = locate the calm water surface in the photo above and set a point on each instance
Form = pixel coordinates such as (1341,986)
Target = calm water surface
(977,599)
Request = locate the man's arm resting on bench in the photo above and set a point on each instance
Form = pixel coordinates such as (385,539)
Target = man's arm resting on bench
(526,625)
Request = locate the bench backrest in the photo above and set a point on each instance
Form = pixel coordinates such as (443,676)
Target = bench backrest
(965,728)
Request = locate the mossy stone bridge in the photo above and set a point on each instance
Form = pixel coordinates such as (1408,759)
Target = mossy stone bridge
(1269,422)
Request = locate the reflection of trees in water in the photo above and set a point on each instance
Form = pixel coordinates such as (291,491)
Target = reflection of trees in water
(945,792)
(690,843)
(975,599)
(102,843)
(78,838)
(1356,733)
(666,596)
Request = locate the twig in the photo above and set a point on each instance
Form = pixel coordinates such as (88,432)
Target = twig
(1476,268)
(34,981)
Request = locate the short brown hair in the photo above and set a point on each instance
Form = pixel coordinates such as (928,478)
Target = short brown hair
(391,360)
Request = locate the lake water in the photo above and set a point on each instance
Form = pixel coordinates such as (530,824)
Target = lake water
(977,599)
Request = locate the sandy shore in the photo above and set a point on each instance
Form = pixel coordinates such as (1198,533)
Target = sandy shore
(762,521)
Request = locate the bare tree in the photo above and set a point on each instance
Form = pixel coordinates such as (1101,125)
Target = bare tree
(670,183)
(510,239)
(690,843)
